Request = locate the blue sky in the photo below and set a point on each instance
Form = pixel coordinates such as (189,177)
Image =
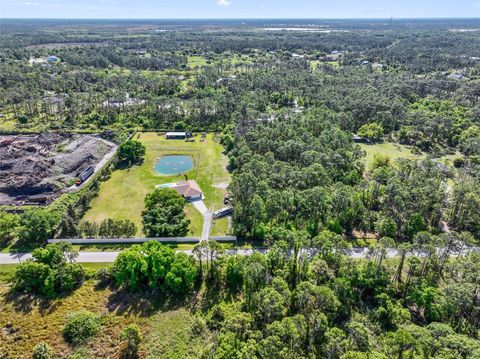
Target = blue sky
(162,9)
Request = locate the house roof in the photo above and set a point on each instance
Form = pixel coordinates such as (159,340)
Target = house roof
(188,188)
(176,133)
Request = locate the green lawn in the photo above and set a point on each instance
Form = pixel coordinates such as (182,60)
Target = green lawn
(392,150)
(196,61)
(122,195)
(396,151)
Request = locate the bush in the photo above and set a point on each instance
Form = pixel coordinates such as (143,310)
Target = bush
(42,351)
(81,326)
(131,334)
(31,277)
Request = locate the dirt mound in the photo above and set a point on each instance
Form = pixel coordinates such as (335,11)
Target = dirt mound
(45,164)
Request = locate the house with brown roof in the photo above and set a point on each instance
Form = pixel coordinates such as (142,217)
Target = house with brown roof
(188,189)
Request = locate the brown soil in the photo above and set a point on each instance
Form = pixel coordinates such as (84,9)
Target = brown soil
(37,168)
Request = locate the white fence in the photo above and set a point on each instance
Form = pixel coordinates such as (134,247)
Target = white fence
(140,240)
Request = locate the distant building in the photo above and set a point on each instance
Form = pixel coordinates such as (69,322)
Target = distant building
(176,135)
(52,59)
(456,76)
(360,139)
(364,63)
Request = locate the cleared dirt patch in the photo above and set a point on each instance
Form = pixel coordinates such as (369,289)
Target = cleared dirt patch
(35,169)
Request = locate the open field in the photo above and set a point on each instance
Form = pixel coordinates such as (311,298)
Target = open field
(122,195)
(196,61)
(27,321)
(396,151)
(392,150)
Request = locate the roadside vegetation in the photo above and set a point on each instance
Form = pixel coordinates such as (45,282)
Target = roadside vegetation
(278,304)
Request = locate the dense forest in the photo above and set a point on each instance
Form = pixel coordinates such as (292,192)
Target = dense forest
(297,112)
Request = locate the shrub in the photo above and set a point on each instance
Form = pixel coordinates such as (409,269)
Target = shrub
(31,277)
(49,273)
(131,334)
(42,351)
(81,326)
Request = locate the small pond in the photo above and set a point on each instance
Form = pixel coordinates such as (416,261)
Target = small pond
(174,164)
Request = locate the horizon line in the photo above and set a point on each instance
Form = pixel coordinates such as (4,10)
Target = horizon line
(246,18)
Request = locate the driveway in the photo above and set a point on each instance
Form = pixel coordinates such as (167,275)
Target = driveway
(207,218)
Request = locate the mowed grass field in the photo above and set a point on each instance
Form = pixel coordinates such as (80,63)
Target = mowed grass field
(122,195)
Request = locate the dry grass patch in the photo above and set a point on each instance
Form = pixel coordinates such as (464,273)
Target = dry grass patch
(28,320)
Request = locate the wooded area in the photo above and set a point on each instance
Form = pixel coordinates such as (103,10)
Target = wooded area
(290,108)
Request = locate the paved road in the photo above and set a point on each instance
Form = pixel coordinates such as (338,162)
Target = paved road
(106,257)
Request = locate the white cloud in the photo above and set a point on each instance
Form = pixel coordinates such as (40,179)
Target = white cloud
(223,2)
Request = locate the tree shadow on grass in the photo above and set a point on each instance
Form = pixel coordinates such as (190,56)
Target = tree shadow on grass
(26,302)
(144,304)
(125,165)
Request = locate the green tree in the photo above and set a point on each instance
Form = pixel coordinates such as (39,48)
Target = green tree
(37,225)
(164,215)
(131,151)
(182,274)
(386,227)
(9,224)
(401,344)
(373,131)
(130,267)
